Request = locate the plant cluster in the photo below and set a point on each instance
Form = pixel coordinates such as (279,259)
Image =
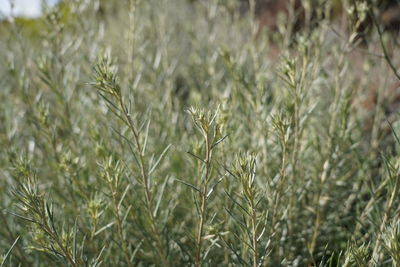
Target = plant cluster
(164,133)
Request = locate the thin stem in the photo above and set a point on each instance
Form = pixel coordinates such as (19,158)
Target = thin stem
(147,192)
(384,49)
(203,207)
(119,227)
(254,232)
(278,194)
(55,237)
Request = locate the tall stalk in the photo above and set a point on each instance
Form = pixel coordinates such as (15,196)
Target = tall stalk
(106,83)
(203,195)
(211,133)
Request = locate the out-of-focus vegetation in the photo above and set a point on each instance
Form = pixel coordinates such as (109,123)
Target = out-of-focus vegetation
(176,133)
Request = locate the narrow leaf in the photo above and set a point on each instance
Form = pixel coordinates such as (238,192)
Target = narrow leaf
(159,159)
(9,251)
(160,196)
(104,228)
(219,141)
(190,185)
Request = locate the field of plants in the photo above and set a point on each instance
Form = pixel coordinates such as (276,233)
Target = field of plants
(179,133)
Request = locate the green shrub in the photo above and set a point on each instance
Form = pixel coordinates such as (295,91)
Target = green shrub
(162,133)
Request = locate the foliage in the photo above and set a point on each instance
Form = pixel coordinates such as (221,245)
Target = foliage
(164,133)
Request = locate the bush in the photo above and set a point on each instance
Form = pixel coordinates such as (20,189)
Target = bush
(162,133)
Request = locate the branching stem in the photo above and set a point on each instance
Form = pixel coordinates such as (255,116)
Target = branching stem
(145,182)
